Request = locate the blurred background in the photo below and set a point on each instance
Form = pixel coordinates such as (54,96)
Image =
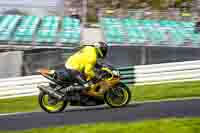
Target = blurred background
(90,13)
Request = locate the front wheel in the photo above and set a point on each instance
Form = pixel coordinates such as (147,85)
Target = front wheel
(118,96)
(50,104)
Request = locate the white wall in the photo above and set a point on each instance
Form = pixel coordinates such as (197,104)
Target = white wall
(10,64)
(92,35)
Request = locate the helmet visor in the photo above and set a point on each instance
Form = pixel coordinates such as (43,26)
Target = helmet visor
(103,52)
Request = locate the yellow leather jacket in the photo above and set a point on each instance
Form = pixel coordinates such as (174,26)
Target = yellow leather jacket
(84,61)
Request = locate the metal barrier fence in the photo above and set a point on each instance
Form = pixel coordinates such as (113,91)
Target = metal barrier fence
(132,75)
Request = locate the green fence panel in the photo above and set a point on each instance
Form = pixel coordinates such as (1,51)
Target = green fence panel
(128,81)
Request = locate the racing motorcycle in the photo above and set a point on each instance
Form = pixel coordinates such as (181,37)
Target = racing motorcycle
(55,96)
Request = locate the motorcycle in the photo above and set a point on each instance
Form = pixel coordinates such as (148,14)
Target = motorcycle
(55,96)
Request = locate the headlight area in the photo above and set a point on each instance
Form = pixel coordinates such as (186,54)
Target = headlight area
(115,72)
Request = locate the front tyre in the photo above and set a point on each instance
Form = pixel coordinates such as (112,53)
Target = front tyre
(51,105)
(118,96)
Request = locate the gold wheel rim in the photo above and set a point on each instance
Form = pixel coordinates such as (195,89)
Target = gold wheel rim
(55,107)
(125,99)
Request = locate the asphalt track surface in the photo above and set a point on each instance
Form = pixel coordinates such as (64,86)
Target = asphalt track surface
(132,112)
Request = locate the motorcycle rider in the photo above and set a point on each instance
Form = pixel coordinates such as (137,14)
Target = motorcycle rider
(80,65)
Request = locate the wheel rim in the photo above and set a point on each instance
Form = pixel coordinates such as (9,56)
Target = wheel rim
(119,100)
(50,107)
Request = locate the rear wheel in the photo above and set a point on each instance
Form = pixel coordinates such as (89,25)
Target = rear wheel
(50,104)
(118,96)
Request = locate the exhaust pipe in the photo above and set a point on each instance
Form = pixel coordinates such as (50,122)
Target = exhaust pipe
(49,92)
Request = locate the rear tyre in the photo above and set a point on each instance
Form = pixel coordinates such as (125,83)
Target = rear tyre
(49,104)
(119,96)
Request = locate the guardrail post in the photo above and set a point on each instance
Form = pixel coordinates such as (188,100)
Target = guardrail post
(143,55)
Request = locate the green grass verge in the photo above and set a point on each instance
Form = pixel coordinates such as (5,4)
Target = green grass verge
(170,125)
(140,93)
(21,104)
(166,91)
